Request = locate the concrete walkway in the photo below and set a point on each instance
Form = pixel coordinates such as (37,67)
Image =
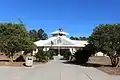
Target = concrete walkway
(55,70)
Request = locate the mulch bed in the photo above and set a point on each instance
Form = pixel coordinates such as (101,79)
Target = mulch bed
(5,61)
(18,64)
(110,70)
(15,64)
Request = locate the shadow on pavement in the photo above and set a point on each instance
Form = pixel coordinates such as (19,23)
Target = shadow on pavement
(62,59)
(87,64)
(70,62)
(4,60)
(95,65)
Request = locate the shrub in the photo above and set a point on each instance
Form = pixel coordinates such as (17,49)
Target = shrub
(50,54)
(66,55)
(82,56)
(41,56)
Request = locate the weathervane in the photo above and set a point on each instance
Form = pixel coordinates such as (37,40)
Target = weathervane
(60,29)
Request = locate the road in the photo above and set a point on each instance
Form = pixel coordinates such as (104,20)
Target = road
(54,70)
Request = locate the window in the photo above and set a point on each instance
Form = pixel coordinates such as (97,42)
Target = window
(59,40)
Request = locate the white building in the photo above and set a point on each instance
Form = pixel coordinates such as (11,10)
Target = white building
(99,54)
(59,40)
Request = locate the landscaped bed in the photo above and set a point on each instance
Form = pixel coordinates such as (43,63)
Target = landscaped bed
(18,64)
(103,64)
(15,64)
(5,61)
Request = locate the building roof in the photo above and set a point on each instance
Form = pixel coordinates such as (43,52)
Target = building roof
(60,41)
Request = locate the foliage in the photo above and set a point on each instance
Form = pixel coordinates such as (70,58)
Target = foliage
(106,38)
(42,35)
(82,55)
(83,38)
(66,55)
(33,35)
(14,38)
(74,38)
(42,56)
(38,35)
(78,38)
(50,54)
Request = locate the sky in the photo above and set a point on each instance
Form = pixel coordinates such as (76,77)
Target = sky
(77,17)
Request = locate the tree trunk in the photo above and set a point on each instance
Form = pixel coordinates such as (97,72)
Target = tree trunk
(11,58)
(114,60)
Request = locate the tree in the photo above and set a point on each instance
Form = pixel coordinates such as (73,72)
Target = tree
(14,38)
(82,55)
(74,38)
(106,38)
(38,35)
(83,38)
(78,38)
(42,35)
(33,35)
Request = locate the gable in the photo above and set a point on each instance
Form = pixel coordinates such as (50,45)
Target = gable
(60,41)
